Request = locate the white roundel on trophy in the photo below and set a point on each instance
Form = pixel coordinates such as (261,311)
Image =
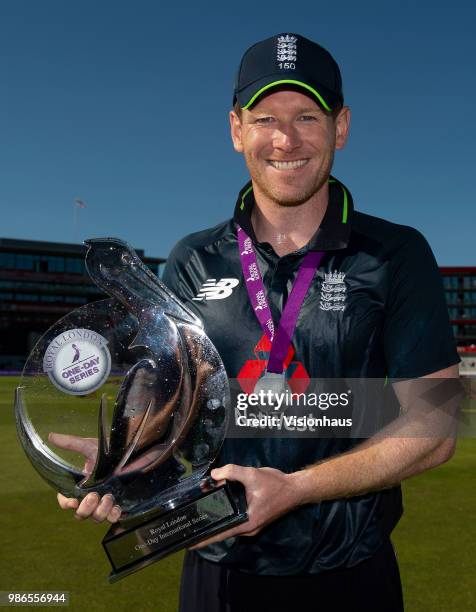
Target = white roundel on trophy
(78,361)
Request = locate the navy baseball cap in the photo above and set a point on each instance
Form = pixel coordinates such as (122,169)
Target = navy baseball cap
(288,61)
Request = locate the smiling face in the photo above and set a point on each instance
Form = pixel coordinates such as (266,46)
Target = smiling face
(288,143)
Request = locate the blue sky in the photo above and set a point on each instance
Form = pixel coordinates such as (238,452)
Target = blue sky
(125,105)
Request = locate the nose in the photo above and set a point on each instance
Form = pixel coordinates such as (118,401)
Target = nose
(286,138)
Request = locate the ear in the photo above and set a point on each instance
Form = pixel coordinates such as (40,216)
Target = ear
(342,125)
(235,127)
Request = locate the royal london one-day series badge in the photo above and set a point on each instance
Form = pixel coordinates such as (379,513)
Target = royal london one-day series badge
(78,361)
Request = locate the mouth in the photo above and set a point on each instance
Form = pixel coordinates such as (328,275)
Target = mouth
(288,165)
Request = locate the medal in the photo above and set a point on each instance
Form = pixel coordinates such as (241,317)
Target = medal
(269,387)
(274,378)
(274,382)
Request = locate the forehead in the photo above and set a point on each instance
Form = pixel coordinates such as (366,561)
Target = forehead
(285,101)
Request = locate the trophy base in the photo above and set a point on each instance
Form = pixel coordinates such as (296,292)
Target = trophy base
(169,530)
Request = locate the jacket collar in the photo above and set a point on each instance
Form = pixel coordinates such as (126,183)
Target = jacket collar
(334,230)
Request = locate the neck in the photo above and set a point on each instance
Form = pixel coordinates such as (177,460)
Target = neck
(288,228)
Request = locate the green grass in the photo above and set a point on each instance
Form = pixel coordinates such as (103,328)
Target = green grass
(42,548)
(436,537)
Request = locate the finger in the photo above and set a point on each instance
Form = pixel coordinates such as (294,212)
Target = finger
(230,472)
(224,535)
(69,442)
(87,506)
(254,532)
(217,483)
(67,503)
(114,515)
(103,508)
(89,466)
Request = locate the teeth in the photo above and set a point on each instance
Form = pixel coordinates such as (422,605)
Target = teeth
(288,165)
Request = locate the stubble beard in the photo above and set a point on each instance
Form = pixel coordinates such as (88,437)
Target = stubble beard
(300,196)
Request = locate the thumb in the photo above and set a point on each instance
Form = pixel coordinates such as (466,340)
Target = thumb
(230,472)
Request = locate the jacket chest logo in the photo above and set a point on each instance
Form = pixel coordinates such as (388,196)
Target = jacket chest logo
(333,291)
(213,289)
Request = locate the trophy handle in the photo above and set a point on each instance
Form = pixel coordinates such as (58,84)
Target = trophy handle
(114,266)
(59,474)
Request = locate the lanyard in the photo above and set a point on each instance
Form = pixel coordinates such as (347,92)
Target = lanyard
(281,341)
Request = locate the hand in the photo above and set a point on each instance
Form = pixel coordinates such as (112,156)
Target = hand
(98,509)
(270,493)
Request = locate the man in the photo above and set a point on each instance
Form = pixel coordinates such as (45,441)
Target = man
(320,510)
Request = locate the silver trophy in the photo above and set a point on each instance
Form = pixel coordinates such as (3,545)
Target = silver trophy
(136,377)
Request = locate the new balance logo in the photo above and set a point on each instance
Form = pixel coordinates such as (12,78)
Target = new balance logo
(216,290)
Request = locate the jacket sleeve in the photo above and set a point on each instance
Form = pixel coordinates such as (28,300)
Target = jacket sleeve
(175,274)
(418,338)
